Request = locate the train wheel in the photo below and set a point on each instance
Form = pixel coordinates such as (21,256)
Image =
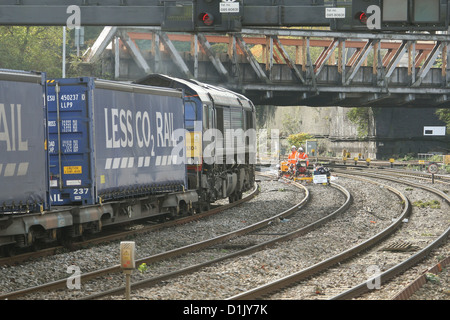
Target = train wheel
(184,210)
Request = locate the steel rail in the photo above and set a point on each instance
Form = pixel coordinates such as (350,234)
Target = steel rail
(401,267)
(94,274)
(171,253)
(258,247)
(413,287)
(440,178)
(307,272)
(125,234)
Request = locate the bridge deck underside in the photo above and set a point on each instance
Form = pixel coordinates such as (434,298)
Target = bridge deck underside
(274,69)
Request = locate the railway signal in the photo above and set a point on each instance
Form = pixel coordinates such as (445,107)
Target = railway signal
(216,15)
(362,17)
(206,18)
(394,15)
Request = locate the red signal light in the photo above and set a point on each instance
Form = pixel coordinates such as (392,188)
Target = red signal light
(206,18)
(362,17)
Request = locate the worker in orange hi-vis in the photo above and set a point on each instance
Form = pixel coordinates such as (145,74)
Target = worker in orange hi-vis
(292,158)
(302,156)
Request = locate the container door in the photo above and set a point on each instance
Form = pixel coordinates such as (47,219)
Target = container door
(70,142)
(23,177)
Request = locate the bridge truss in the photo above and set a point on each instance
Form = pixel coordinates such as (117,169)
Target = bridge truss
(298,67)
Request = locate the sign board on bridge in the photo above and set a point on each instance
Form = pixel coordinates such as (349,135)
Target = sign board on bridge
(335,13)
(229,7)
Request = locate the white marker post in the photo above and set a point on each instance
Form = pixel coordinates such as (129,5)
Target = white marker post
(127,263)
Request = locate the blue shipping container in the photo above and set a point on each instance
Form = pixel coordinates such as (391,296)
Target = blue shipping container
(23,159)
(110,140)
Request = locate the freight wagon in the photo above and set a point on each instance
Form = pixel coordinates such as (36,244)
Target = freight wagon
(23,159)
(109,141)
(103,152)
(110,158)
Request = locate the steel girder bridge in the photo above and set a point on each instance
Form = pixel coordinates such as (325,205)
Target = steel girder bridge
(361,59)
(297,67)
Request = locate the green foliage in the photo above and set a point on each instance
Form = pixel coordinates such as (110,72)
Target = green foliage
(360,117)
(34,48)
(433,278)
(143,268)
(433,204)
(31,48)
(290,124)
(444,115)
(298,139)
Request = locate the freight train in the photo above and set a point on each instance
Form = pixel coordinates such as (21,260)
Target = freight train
(80,154)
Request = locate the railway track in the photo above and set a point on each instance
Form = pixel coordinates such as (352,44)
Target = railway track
(437,178)
(118,236)
(327,264)
(163,256)
(112,234)
(235,244)
(286,236)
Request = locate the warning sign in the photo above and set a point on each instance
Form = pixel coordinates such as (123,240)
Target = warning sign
(73,170)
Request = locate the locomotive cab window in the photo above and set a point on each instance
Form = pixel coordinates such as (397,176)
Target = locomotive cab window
(190,114)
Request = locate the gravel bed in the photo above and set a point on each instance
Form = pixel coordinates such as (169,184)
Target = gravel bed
(232,277)
(437,288)
(420,229)
(373,209)
(47,269)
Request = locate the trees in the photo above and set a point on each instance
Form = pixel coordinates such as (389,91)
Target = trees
(298,139)
(444,115)
(31,48)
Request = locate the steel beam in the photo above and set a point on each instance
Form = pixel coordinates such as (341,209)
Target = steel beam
(40,13)
(251,59)
(175,55)
(214,60)
(428,64)
(134,51)
(275,74)
(345,35)
(288,59)
(101,43)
